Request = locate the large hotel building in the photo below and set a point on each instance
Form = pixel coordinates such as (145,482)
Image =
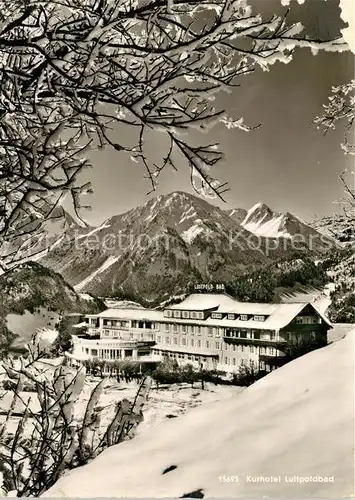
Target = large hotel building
(209,330)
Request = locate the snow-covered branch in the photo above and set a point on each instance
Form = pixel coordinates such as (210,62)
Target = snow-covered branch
(72,71)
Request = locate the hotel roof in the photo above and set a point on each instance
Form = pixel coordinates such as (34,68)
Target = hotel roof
(277,315)
(138,314)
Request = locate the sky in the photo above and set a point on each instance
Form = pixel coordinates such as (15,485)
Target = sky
(286,163)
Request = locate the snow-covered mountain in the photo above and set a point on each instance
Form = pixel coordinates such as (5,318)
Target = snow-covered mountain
(156,250)
(288,435)
(33,297)
(339,226)
(263,221)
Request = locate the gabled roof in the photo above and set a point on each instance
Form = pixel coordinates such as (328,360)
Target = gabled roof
(277,315)
(125,313)
(205,301)
(224,303)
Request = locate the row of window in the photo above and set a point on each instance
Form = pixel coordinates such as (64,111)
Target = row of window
(179,355)
(271,351)
(120,323)
(308,320)
(251,334)
(128,335)
(168,313)
(186,342)
(116,323)
(252,349)
(193,329)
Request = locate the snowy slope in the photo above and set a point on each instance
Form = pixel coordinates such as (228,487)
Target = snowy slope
(297,421)
(108,263)
(174,240)
(263,221)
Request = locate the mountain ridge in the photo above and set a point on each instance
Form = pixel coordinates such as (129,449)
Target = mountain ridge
(165,245)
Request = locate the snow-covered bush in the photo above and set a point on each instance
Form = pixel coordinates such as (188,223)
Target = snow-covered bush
(47,442)
(248,373)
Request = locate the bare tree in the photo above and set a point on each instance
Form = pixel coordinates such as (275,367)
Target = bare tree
(340,110)
(74,72)
(39,445)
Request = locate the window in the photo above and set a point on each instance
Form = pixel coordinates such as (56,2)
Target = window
(262,365)
(184,328)
(199,343)
(192,342)
(200,315)
(234,347)
(244,317)
(158,338)
(210,331)
(167,327)
(168,313)
(259,318)
(175,327)
(219,332)
(177,314)
(175,341)
(217,315)
(197,330)
(207,344)
(234,363)
(226,360)
(167,340)
(215,330)
(217,345)
(185,314)
(191,329)
(231,316)
(243,334)
(242,348)
(272,335)
(193,314)
(256,335)
(262,350)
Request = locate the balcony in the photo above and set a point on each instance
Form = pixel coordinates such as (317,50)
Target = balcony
(116,327)
(272,360)
(249,341)
(115,343)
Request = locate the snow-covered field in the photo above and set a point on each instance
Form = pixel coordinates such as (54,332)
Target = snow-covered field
(25,325)
(282,437)
(164,403)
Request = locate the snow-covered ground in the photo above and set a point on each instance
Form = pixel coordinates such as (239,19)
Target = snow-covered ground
(25,325)
(108,263)
(290,434)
